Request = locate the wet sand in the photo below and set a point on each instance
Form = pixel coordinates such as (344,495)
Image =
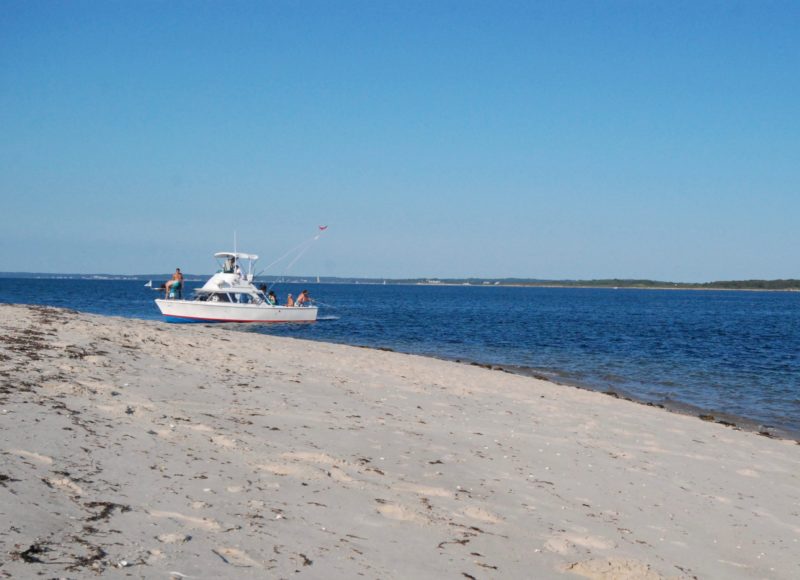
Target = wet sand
(139,449)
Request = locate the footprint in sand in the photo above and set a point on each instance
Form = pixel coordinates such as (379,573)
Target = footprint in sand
(400,513)
(176,538)
(65,484)
(308,465)
(748,473)
(336,472)
(202,523)
(424,490)
(311,457)
(614,569)
(287,470)
(31,455)
(565,543)
(223,441)
(482,515)
(235,557)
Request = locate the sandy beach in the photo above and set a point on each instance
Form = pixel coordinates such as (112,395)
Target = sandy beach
(139,449)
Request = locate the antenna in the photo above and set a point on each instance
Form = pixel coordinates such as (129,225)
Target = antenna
(234,242)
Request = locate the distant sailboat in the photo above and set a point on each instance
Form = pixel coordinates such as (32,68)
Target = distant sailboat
(149,284)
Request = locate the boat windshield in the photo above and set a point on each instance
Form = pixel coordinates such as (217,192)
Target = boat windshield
(234,297)
(231,262)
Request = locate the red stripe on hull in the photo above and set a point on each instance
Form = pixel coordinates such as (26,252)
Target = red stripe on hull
(244,321)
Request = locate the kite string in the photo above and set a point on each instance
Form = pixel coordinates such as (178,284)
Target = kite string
(297,247)
(300,254)
(301,248)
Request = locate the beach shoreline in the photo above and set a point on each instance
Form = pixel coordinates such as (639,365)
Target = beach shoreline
(730,420)
(138,448)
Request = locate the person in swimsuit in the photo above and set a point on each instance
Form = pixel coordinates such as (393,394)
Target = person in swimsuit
(290,301)
(175,284)
(303,299)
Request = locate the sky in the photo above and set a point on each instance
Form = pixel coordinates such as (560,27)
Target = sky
(553,140)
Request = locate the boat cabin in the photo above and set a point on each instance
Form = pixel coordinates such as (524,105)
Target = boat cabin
(232,297)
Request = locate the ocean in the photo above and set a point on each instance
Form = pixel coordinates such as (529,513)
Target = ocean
(724,353)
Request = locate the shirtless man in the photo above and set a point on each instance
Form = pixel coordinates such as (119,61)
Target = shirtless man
(303,299)
(175,282)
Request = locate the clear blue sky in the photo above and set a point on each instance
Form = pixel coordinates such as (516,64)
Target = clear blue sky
(448,138)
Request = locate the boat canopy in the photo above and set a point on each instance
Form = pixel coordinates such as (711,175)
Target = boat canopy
(237,255)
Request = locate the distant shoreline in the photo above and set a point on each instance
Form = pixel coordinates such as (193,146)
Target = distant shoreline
(777,285)
(587,287)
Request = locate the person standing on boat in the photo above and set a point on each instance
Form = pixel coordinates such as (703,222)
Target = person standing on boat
(303,299)
(290,301)
(230,262)
(271,298)
(262,288)
(175,284)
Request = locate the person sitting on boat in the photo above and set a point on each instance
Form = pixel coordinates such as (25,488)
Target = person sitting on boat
(272,299)
(174,286)
(238,271)
(290,301)
(303,299)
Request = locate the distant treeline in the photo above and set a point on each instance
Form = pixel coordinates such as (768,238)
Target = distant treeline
(788,284)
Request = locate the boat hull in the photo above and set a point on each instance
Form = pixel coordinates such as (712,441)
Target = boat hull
(196,311)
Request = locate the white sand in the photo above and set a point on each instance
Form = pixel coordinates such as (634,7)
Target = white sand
(140,449)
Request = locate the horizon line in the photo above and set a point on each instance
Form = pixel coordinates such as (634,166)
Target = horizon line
(442,279)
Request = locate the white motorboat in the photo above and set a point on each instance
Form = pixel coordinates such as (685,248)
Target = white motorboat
(230,296)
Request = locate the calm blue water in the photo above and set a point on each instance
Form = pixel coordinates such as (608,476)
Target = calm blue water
(731,352)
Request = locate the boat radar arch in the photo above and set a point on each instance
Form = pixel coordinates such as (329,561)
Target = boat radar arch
(237,255)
